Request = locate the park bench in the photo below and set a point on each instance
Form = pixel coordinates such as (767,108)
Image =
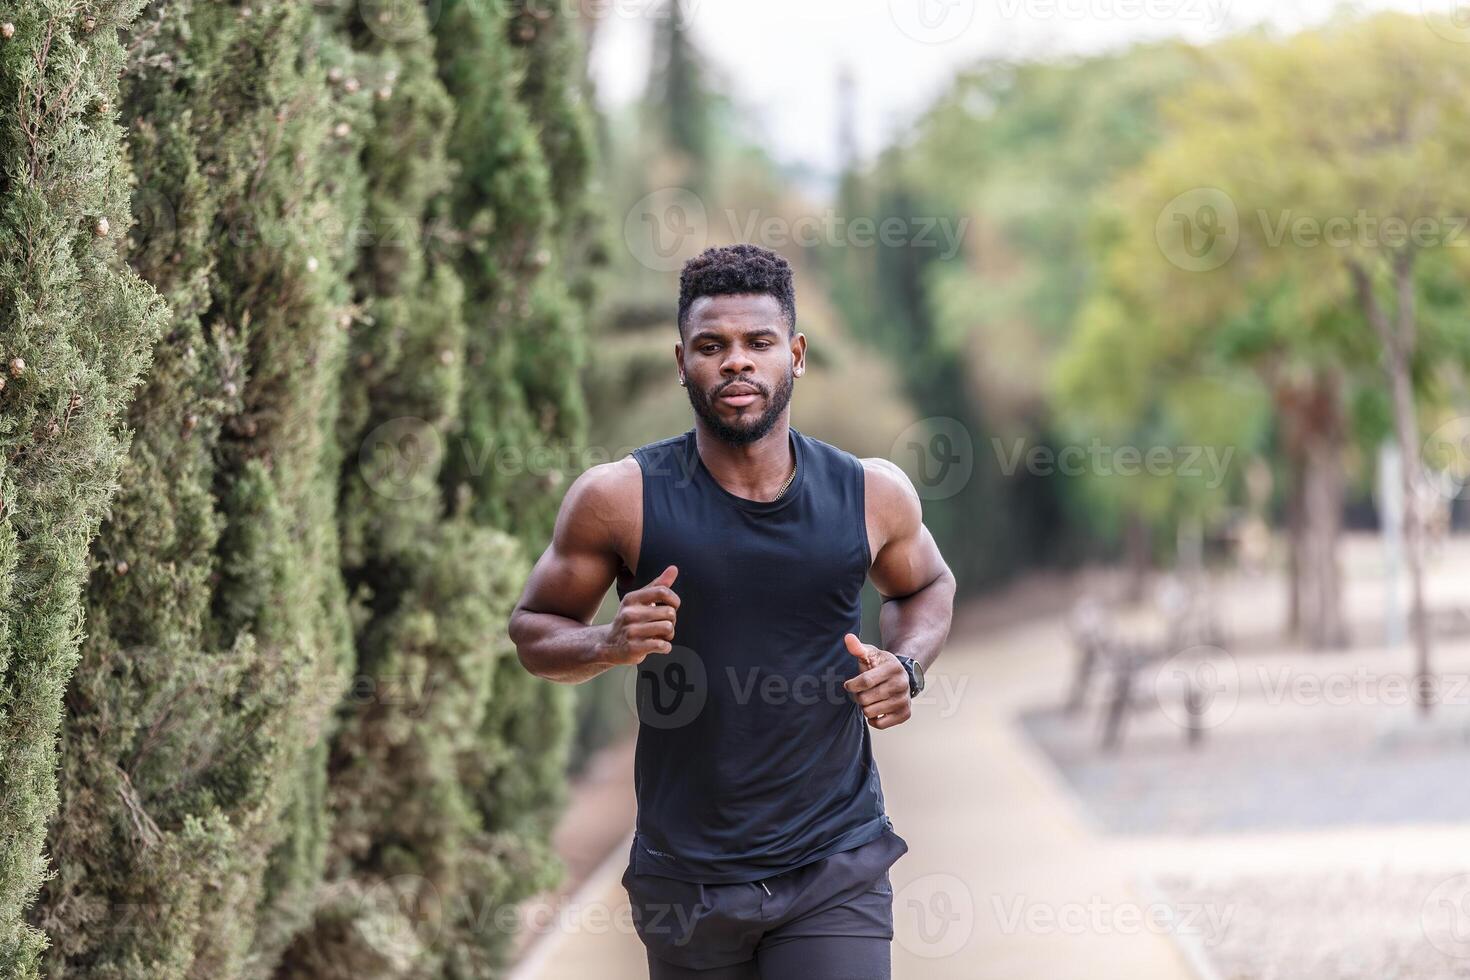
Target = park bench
(1191,630)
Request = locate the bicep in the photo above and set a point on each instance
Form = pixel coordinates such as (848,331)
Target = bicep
(580,564)
(908,558)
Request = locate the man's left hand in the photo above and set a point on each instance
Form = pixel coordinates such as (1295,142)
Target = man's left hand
(882,689)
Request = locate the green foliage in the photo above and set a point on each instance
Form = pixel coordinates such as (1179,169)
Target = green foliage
(1014,158)
(189,844)
(678,98)
(289,290)
(354,225)
(1307,146)
(412,868)
(523,151)
(501,201)
(137,836)
(78,331)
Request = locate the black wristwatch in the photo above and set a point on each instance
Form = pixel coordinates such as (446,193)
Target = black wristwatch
(916,674)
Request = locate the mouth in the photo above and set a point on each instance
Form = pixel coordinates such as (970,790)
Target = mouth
(739,395)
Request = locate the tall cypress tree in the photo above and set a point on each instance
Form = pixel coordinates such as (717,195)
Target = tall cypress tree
(189,844)
(677,98)
(273,534)
(285,287)
(411,868)
(76,329)
(522,395)
(138,836)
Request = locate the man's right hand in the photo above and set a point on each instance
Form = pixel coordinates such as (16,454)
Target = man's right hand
(645,622)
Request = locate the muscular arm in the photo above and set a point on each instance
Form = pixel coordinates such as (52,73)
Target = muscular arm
(550,623)
(908,571)
(918,596)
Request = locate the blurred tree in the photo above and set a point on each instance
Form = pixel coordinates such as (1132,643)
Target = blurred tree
(1302,181)
(1011,161)
(406,844)
(676,105)
(280,287)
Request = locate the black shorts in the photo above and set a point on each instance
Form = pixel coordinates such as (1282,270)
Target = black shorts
(691,926)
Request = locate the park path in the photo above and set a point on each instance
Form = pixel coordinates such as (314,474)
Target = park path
(1004,877)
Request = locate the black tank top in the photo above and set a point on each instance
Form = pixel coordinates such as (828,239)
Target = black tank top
(752,759)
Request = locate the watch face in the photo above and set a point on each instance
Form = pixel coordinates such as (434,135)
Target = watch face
(916,675)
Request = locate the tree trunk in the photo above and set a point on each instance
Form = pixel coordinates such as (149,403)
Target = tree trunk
(1294,551)
(1398,335)
(1138,552)
(1312,430)
(1406,428)
(1322,622)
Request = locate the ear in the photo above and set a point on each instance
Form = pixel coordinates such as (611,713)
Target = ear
(798,355)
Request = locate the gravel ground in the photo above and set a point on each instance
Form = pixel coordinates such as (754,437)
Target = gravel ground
(1288,766)
(1340,767)
(1331,926)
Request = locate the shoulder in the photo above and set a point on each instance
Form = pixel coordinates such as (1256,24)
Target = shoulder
(886,481)
(892,505)
(606,482)
(834,459)
(603,502)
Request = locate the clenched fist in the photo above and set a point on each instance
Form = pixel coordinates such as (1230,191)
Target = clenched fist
(644,623)
(882,689)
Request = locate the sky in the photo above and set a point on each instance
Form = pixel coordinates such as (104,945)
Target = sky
(780,59)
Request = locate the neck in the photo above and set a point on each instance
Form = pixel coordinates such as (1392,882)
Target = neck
(756,470)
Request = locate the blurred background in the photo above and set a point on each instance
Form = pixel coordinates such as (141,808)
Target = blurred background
(1163,305)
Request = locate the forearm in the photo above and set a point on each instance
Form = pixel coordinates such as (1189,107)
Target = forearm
(917,625)
(558,648)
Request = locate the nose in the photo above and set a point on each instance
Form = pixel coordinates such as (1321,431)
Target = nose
(737,363)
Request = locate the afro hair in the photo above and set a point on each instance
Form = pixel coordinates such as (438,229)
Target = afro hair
(734,269)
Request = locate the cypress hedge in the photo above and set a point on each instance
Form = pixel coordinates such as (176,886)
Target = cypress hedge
(76,332)
(363,246)
(190,843)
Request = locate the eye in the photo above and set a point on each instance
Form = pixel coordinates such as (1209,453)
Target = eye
(762,344)
(709,348)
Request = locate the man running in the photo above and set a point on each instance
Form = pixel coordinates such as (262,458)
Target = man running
(739,550)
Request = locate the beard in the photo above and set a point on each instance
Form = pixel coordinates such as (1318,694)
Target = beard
(746,428)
